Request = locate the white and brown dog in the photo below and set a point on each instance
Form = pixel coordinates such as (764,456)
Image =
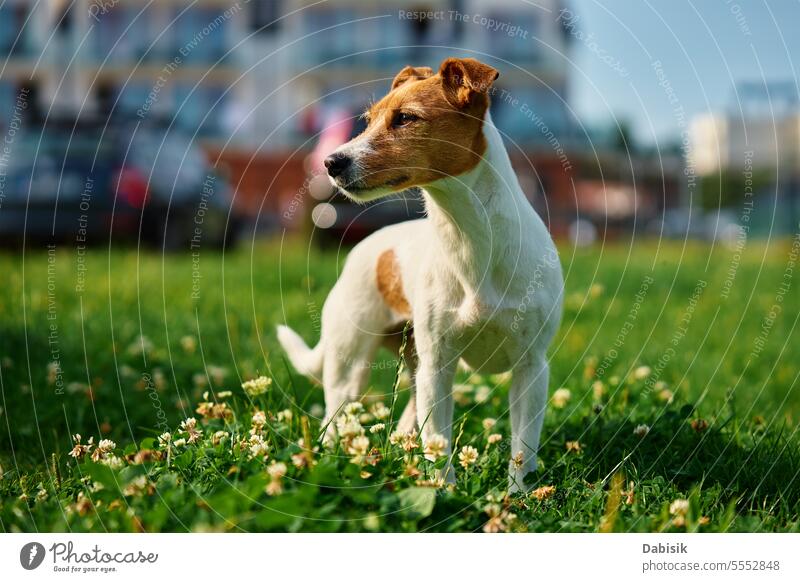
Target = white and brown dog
(479,278)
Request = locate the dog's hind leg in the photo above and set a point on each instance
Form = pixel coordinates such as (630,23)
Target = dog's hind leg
(345,373)
(527,402)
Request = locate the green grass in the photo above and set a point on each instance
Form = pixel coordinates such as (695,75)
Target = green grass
(714,353)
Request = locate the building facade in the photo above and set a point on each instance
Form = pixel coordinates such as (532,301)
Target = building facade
(258,80)
(266,73)
(762,131)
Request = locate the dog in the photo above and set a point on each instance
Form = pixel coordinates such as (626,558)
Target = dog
(478,278)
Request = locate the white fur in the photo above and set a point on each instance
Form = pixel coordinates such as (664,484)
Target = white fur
(483,279)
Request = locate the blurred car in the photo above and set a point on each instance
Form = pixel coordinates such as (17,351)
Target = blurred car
(94,182)
(337,217)
(685,223)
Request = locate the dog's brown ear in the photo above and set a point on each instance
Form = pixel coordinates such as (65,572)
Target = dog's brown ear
(465,78)
(411,74)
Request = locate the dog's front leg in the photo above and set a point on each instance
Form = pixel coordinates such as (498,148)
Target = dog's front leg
(434,382)
(527,402)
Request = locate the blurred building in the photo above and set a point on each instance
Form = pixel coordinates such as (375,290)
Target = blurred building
(268,71)
(749,157)
(312,64)
(258,81)
(762,131)
(166,59)
(321,57)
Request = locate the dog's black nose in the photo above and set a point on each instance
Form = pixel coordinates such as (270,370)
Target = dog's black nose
(337,163)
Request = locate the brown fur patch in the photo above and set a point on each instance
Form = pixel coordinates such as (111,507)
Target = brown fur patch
(444,139)
(411,74)
(390,283)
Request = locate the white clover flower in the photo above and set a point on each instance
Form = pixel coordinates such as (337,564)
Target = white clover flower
(679,507)
(598,389)
(561,397)
(113,461)
(189,426)
(494,438)
(543,492)
(159,380)
(136,486)
(641,430)
(666,395)
(179,442)
(642,372)
(164,439)
(596,290)
(348,426)
(380,411)
(79,450)
(468,456)
(358,447)
(435,446)
(218,437)
(518,460)
(488,423)
(274,487)
(482,394)
(376,428)
(53,370)
(277,470)
(257,386)
(106,445)
(407,440)
(189,344)
(104,449)
(259,419)
(284,415)
(257,446)
(435,482)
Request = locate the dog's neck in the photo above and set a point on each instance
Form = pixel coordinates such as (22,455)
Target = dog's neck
(478,213)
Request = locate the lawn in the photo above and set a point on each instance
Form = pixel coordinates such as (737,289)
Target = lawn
(675,400)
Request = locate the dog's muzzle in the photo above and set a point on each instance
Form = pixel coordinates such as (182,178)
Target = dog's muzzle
(337,164)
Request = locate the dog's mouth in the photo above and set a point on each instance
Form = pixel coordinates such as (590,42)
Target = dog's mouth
(359,190)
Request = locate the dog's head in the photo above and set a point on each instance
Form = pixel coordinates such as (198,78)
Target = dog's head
(429,126)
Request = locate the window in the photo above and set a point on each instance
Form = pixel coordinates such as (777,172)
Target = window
(263,16)
(64,20)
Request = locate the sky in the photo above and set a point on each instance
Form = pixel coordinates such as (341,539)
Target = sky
(704,48)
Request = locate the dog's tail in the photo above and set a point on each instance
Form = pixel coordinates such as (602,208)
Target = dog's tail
(305,360)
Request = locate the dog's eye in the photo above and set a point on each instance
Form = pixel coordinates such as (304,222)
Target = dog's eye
(401,118)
